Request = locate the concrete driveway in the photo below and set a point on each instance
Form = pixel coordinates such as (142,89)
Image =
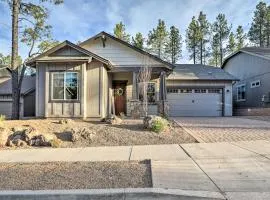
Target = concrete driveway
(225,129)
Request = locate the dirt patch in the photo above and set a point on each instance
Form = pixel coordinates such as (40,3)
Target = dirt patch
(261,118)
(130,132)
(79,175)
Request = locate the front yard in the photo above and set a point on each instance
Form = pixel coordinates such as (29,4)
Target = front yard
(130,132)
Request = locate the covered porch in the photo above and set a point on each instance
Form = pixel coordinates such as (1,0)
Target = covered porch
(124,91)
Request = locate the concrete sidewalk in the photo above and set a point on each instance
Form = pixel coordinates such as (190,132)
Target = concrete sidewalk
(92,154)
(236,170)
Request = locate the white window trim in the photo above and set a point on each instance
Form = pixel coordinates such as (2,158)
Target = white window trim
(238,86)
(64,99)
(257,81)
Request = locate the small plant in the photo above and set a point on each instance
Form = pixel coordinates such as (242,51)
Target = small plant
(2,118)
(55,143)
(159,125)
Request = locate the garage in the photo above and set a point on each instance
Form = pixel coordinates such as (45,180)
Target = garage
(199,91)
(195,102)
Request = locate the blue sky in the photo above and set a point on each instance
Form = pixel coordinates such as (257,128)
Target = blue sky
(77,20)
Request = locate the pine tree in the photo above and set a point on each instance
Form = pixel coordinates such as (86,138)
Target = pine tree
(267,27)
(231,46)
(120,32)
(203,36)
(192,38)
(157,39)
(215,54)
(138,41)
(222,30)
(174,45)
(256,31)
(240,37)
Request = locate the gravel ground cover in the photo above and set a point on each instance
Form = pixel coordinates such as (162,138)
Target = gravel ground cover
(79,175)
(130,132)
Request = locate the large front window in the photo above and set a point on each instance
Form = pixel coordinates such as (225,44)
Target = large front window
(64,85)
(151,92)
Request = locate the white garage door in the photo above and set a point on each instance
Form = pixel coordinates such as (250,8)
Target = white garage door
(6,108)
(194,102)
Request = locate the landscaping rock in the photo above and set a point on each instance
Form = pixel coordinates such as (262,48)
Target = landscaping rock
(23,136)
(39,140)
(82,134)
(65,121)
(114,120)
(4,135)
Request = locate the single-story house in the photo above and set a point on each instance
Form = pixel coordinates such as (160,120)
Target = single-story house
(100,76)
(251,94)
(27,101)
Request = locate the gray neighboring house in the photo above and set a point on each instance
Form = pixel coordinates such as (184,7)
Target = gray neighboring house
(251,94)
(199,90)
(27,101)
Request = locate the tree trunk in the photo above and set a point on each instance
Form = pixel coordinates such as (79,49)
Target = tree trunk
(201,45)
(194,55)
(14,61)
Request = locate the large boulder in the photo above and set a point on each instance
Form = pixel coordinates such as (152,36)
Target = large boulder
(23,136)
(80,134)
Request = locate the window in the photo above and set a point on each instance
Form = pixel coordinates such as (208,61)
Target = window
(185,90)
(241,93)
(151,93)
(217,91)
(200,90)
(65,86)
(171,90)
(255,84)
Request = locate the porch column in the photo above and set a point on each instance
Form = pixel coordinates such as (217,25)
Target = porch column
(162,93)
(134,86)
(162,87)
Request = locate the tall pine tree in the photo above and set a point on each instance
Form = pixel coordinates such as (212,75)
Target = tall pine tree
(174,45)
(256,31)
(267,27)
(240,38)
(120,32)
(222,30)
(231,46)
(215,54)
(204,32)
(157,39)
(138,40)
(192,38)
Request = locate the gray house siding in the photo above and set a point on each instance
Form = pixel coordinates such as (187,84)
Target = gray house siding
(249,68)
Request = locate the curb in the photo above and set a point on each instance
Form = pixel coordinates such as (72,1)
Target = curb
(118,191)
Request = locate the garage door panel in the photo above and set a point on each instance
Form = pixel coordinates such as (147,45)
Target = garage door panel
(195,104)
(6,108)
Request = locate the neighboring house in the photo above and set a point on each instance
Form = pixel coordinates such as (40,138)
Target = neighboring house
(199,90)
(100,75)
(251,65)
(27,101)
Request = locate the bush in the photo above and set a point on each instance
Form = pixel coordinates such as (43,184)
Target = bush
(156,124)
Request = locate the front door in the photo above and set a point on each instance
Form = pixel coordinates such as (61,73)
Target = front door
(120,96)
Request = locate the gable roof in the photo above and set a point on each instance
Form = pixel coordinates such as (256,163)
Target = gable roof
(199,72)
(74,46)
(169,65)
(254,51)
